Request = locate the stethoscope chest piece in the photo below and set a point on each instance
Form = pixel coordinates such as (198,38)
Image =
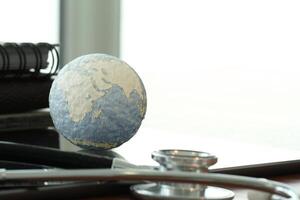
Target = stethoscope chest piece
(187,161)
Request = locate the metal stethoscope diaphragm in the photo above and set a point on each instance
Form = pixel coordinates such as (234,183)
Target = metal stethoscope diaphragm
(182,161)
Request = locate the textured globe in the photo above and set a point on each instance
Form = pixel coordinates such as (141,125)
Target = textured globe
(97,101)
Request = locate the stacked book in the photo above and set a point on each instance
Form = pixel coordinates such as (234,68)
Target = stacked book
(26,75)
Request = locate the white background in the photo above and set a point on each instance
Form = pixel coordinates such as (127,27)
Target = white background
(29,21)
(218,69)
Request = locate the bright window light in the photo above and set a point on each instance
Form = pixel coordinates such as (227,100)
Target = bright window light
(29,21)
(218,69)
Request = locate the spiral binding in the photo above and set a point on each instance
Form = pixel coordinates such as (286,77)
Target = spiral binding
(28,60)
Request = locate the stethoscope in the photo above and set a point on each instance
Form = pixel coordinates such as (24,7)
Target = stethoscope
(181,174)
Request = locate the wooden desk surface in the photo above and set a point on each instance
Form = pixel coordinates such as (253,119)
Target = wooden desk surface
(240,193)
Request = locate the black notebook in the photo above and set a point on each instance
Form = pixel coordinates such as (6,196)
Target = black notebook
(26,75)
(28,60)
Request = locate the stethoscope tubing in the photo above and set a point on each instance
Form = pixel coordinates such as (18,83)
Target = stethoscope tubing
(43,156)
(17,156)
(86,167)
(73,191)
(151,175)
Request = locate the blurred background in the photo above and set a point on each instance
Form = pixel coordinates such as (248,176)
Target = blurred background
(220,76)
